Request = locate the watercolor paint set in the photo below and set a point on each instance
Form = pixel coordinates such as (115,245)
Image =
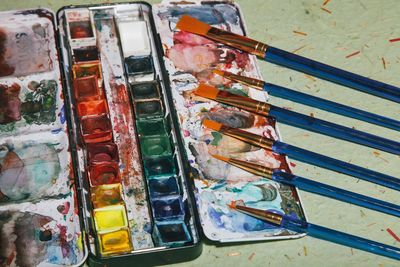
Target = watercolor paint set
(103,156)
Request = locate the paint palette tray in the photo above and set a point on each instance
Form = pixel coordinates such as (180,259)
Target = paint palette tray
(130,166)
(39,218)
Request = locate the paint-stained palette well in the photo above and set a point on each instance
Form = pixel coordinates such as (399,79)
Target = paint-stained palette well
(39,221)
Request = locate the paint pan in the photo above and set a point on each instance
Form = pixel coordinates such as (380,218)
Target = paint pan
(80,70)
(110,218)
(145,90)
(102,152)
(156,146)
(95,107)
(115,242)
(85,54)
(159,167)
(134,38)
(86,88)
(10,103)
(153,127)
(106,195)
(171,233)
(168,208)
(96,129)
(136,65)
(23,51)
(105,173)
(148,109)
(161,187)
(80,28)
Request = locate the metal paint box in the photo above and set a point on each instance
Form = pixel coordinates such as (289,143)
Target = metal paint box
(70,129)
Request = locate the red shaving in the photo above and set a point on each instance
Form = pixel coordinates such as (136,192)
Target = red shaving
(326,10)
(394,40)
(326,2)
(353,54)
(393,234)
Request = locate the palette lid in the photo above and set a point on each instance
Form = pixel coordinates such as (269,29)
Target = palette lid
(39,218)
(189,60)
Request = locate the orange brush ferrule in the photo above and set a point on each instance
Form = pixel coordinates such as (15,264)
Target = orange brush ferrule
(252,82)
(190,24)
(246,103)
(250,138)
(247,166)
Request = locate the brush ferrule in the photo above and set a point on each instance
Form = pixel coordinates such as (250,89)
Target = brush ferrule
(252,168)
(245,103)
(261,214)
(254,83)
(250,138)
(238,41)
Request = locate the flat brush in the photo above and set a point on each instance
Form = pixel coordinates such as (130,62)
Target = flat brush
(290,60)
(305,155)
(312,101)
(317,231)
(298,120)
(314,187)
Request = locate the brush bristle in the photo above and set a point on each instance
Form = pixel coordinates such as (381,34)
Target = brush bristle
(206,91)
(219,72)
(190,24)
(220,157)
(213,125)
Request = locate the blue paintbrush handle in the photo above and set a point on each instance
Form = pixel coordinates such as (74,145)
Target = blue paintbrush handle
(334,130)
(331,106)
(326,72)
(340,237)
(336,165)
(336,193)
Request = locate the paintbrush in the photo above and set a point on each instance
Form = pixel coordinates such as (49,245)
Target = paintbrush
(290,60)
(298,120)
(312,101)
(317,231)
(305,155)
(314,187)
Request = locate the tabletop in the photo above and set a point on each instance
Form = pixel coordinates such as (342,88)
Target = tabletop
(361,36)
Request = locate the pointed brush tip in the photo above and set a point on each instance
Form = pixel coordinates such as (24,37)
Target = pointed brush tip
(206,91)
(190,24)
(220,157)
(213,125)
(219,72)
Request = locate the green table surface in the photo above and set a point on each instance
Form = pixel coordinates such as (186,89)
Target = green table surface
(330,33)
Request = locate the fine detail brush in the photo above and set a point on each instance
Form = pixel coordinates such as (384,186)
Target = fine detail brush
(314,187)
(312,101)
(305,155)
(320,232)
(298,120)
(290,60)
